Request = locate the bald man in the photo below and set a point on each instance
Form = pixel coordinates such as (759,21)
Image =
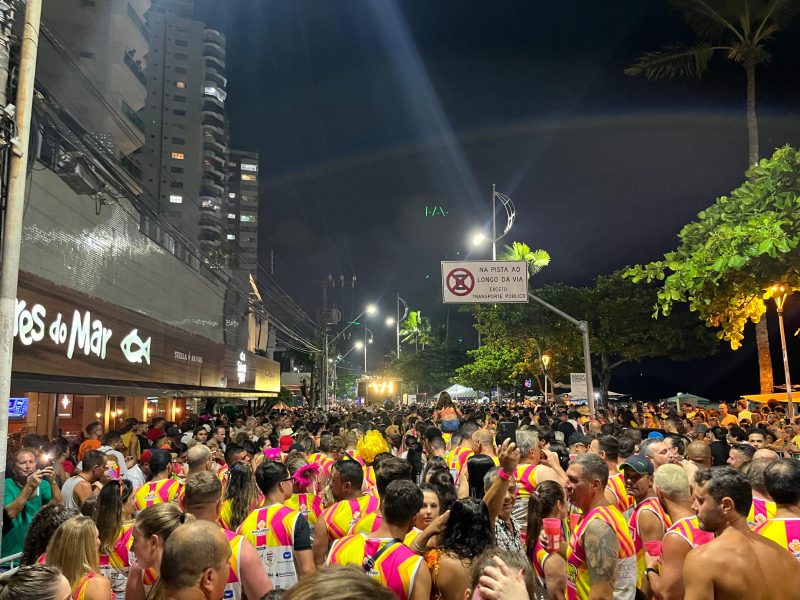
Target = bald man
(698,456)
(766,453)
(194,565)
(483,441)
(198,459)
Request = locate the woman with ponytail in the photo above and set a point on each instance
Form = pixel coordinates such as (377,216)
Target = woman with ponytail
(116,533)
(151,530)
(242,496)
(548,501)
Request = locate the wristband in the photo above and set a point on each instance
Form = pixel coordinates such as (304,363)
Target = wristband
(503,475)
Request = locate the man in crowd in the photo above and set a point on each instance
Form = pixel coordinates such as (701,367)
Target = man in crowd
(113,446)
(726,419)
(382,556)
(530,473)
(763,506)
(601,558)
(782,480)
(740,454)
(161,488)
(80,486)
(219,437)
(347,477)
(615,493)
(94,431)
(203,498)
(139,472)
(656,450)
(191,570)
(757,438)
(26,491)
(461,453)
(198,459)
(738,564)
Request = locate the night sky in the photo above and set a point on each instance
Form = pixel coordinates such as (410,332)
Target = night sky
(367,112)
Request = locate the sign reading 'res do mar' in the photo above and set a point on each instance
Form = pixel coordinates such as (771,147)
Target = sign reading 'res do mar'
(81,333)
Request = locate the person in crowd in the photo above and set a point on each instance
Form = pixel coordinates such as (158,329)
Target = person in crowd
(383,555)
(91,441)
(113,447)
(549,502)
(46,521)
(338,583)
(500,489)
(247,576)
(351,504)
(156,433)
(115,531)
(737,564)
(81,485)
(726,419)
(27,490)
(242,496)
(656,450)
(464,450)
(782,481)
(190,570)
(601,552)
(530,473)
(139,473)
(280,535)
(130,439)
(471,478)
(446,413)
(304,481)
(390,469)
(198,459)
(698,456)
(757,438)
(615,493)
(161,488)
(740,454)
(73,550)
(431,509)
(151,529)
(324,457)
(498,574)
(467,532)
(763,506)
(35,582)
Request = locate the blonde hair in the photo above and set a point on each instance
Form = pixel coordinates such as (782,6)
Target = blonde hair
(372,444)
(338,583)
(73,549)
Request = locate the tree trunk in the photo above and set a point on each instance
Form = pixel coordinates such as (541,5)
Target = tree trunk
(762,334)
(605,377)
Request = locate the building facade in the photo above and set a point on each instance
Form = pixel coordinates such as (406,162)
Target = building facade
(242,212)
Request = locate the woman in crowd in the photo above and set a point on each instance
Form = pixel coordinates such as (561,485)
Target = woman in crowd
(74,550)
(46,521)
(151,530)
(241,496)
(549,501)
(35,582)
(466,534)
(431,508)
(303,499)
(443,482)
(114,525)
(447,414)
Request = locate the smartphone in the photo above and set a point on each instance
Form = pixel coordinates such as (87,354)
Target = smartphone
(506,430)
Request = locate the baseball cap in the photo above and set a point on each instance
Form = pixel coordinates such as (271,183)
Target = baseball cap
(144,457)
(638,463)
(173,432)
(286,442)
(655,435)
(579,438)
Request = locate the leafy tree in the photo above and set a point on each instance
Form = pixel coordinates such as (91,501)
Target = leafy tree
(430,368)
(492,365)
(737,249)
(536,259)
(740,29)
(416,328)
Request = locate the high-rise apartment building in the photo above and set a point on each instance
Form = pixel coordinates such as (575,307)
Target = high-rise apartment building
(184,116)
(242,211)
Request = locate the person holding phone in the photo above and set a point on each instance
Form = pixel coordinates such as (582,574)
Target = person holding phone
(26,491)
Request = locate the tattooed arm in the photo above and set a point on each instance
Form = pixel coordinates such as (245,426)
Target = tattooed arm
(602,552)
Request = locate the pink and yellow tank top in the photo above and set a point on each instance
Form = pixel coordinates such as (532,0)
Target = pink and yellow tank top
(367,524)
(395,568)
(370,483)
(688,529)
(578,582)
(233,589)
(616,485)
(325,463)
(156,492)
(654,506)
(271,531)
(340,517)
(308,505)
(784,532)
(457,459)
(116,565)
(760,511)
(79,591)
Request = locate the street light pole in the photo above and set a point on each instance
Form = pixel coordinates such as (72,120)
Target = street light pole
(494,224)
(545,363)
(779,294)
(397,326)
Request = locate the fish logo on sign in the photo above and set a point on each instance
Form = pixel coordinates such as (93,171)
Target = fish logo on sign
(135,349)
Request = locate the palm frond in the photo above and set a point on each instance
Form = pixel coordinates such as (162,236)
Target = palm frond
(775,15)
(710,19)
(674,62)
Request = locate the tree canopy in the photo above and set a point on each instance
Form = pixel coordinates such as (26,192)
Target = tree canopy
(729,258)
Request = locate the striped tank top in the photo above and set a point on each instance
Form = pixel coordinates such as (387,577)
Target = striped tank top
(688,529)
(784,532)
(271,531)
(648,504)
(340,517)
(156,492)
(760,511)
(233,589)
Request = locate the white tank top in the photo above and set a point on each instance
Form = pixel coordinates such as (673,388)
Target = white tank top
(68,490)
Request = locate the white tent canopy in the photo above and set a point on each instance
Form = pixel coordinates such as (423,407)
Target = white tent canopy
(457,391)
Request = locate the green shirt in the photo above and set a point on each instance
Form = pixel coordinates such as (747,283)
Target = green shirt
(14,530)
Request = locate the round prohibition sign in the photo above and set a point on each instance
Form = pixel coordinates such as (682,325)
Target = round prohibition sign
(460,282)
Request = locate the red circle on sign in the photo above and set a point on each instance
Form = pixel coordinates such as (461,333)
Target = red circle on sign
(460,282)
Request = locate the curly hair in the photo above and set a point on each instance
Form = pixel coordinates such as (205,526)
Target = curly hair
(42,527)
(468,531)
(242,491)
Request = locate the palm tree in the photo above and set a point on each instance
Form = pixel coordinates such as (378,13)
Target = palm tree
(536,259)
(740,29)
(416,328)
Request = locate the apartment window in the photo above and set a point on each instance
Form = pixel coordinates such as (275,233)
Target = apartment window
(176,169)
(176,185)
(179,112)
(176,199)
(89,55)
(181,56)
(248,177)
(179,141)
(248,218)
(178,155)
(249,167)
(231,194)
(180,84)
(230,236)
(179,98)
(182,43)
(180,70)
(232,215)
(182,29)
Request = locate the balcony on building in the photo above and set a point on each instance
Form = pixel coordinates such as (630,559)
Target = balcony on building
(213,104)
(214,36)
(215,156)
(213,118)
(212,145)
(213,49)
(213,188)
(213,73)
(215,63)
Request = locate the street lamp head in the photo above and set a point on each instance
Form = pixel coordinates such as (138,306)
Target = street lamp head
(546,358)
(478,239)
(390,321)
(330,360)
(779,294)
(358,345)
(371,309)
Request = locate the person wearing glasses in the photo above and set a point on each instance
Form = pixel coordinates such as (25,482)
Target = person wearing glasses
(281,535)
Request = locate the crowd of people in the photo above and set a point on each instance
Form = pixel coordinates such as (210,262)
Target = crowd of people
(506,500)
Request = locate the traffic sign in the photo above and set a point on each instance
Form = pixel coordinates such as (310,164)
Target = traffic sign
(484,281)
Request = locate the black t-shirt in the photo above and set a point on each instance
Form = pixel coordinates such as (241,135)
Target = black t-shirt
(567,429)
(302,534)
(719,453)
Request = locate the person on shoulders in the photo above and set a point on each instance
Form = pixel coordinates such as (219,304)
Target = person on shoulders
(737,564)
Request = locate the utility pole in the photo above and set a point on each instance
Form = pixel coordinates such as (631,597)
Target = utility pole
(12,234)
(6,24)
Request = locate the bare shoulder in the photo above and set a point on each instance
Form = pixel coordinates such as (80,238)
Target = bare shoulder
(602,550)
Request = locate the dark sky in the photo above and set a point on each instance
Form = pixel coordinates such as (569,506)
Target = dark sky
(367,112)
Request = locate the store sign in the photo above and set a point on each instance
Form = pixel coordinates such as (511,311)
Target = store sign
(84,333)
(241,368)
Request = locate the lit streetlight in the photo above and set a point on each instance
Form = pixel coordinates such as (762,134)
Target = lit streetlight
(779,294)
(358,345)
(390,321)
(371,309)
(546,358)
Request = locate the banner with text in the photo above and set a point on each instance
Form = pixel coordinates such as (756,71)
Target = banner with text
(484,281)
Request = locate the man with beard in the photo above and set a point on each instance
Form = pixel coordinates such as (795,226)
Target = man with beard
(738,564)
